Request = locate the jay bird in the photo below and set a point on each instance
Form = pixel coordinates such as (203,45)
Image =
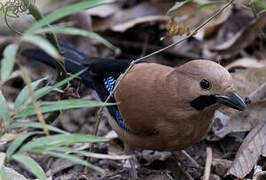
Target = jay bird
(159,107)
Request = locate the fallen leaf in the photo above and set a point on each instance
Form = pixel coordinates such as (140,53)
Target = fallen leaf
(104,11)
(127,18)
(249,152)
(241,39)
(258,95)
(221,166)
(244,63)
(174,29)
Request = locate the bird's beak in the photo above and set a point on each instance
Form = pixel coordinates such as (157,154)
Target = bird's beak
(232,100)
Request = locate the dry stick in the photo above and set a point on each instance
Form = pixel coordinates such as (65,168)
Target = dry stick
(100,112)
(208,164)
(34,100)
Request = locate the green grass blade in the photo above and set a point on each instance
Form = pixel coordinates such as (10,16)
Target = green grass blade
(7,63)
(59,84)
(25,95)
(31,164)
(60,140)
(178,5)
(4,109)
(214,3)
(66,11)
(59,105)
(260,4)
(74,159)
(79,32)
(41,43)
(39,92)
(17,142)
(37,125)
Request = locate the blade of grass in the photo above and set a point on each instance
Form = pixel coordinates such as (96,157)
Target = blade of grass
(24,94)
(41,43)
(37,125)
(215,3)
(37,94)
(59,140)
(260,4)
(17,142)
(89,154)
(7,63)
(4,109)
(65,11)
(31,164)
(59,105)
(59,84)
(79,32)
(74,159)
(178,5)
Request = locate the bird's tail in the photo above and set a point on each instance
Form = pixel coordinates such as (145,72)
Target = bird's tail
(73,60)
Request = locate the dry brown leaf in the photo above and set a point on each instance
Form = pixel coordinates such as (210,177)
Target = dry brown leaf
(104,11)
(142,20)
(174,29)
(191,16)
(227,122)
(245,63)
(248,80)
(221,166)
(241,39)
(258,95)
(249,152)
(126,18)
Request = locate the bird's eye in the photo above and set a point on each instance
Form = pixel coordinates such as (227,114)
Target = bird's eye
(204,84)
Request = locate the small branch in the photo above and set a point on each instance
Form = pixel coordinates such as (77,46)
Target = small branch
(100,112)
(208,164)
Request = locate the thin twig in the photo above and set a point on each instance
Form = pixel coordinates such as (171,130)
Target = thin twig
(34,100)
(208,164)
(100,112)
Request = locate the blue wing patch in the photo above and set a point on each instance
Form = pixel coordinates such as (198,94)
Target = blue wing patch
(109,85)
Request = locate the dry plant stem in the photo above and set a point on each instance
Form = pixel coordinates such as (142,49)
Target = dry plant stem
(100,112)
(208,164)
(34,100)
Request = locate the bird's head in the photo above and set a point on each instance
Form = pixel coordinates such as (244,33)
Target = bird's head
(209,84)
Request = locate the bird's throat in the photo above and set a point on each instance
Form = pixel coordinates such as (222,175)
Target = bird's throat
(202,102)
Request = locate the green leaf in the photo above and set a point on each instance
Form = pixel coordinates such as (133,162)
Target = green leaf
(38,94)
(59,140)
(79,32)
(4,109)
(31,164)
(41,43)
(178,5)
(17,142)
(213,3)
(50,106)
(73,159)
(59,84)
(7,63)
(25,95)
(36,125)
(260,4)
(66,11)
